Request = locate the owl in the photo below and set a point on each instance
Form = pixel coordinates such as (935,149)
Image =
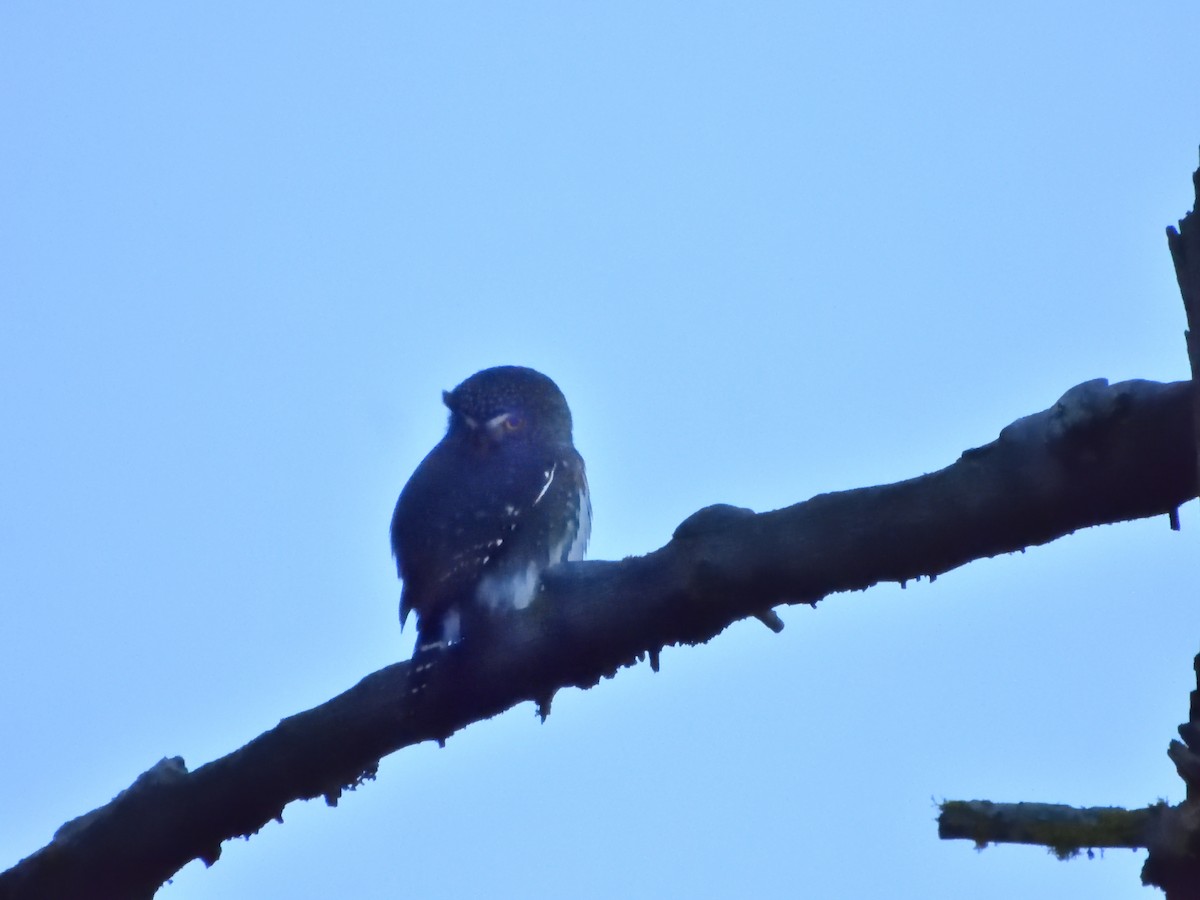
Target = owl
(501,498)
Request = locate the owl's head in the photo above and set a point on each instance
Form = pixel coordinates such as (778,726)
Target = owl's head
(509,405)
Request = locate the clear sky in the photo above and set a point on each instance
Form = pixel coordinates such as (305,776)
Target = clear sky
(767,250)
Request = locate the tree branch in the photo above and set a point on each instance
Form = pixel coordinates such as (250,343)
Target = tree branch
(1173,863)
(1101,454)
(1184,244)
(1064,829)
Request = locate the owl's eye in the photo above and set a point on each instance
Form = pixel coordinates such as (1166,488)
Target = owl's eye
(514,422)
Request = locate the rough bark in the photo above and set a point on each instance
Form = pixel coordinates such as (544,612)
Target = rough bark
(1101,454)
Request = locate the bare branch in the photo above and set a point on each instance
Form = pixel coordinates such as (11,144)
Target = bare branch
(1101,454)
(1066,830)
(1170,833)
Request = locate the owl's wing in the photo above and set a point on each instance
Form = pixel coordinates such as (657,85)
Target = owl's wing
(551,529)
(456,520)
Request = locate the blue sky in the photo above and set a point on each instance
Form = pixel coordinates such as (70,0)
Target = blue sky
(766,250)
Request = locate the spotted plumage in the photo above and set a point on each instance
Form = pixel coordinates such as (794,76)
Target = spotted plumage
(499,500)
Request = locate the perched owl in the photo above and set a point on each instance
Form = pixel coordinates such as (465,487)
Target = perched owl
(501,498)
